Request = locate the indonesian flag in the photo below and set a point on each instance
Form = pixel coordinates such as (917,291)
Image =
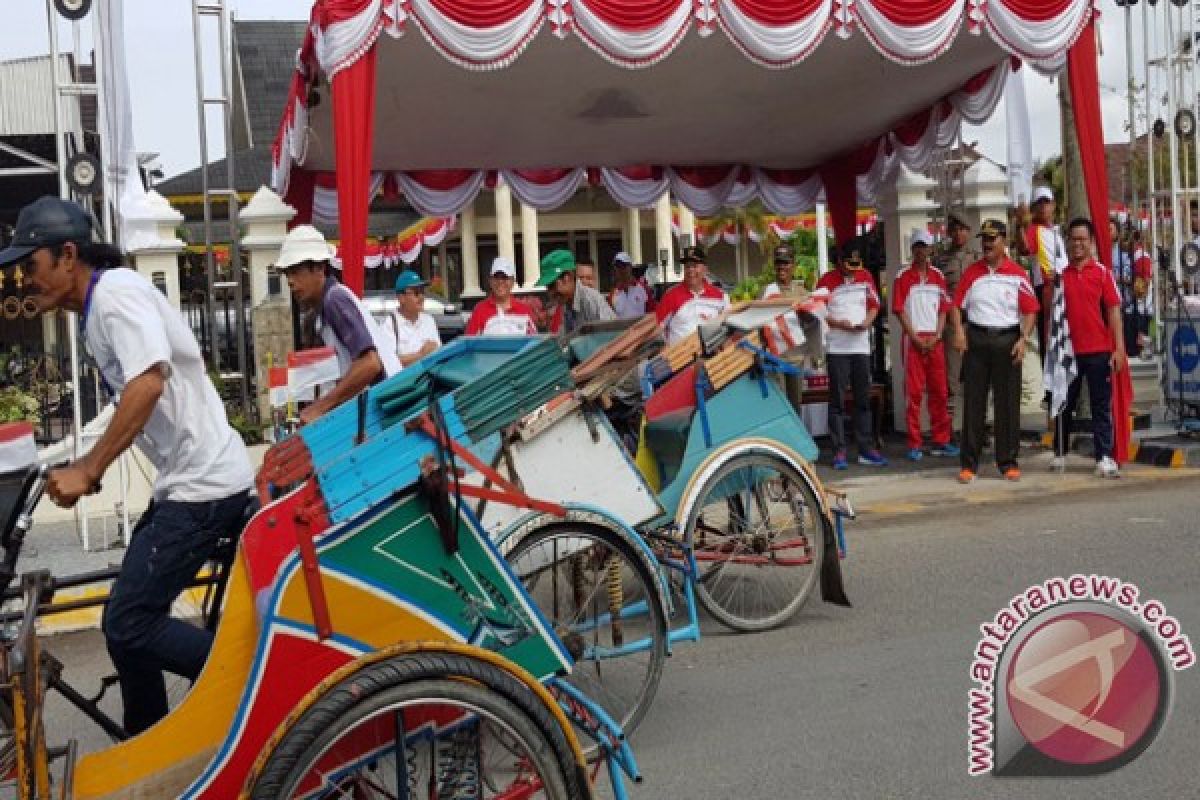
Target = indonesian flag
(277,387)
(309,369)
(17,447)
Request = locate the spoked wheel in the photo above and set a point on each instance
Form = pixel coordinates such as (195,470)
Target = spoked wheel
(756,531)
(438,727)
(604,601)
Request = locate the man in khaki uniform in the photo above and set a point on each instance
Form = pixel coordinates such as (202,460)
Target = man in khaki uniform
(960,252)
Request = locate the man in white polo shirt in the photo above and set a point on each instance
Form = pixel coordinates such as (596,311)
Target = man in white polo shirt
(150,362)
(631,297)
(501,314)
(1000,308)
(920,303)
(686,306)
(416,333)
(853,305)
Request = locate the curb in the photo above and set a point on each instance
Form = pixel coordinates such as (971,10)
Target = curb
(982,492)
(83,619)
(1173,455)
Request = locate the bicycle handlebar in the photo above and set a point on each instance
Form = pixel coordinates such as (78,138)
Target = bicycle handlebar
(14,538)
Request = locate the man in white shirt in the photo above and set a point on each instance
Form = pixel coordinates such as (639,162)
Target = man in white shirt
(416,333)
(149,360)
(631,297)
(366,351)
(686,306)
(500,313)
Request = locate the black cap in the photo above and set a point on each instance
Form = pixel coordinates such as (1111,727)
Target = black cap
(693,253)
(45,222)
(992,228)
(957,221)
(783,254)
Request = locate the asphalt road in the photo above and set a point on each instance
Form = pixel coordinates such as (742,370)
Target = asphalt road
(870,702)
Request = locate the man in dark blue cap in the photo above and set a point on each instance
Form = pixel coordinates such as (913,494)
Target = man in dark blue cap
(416,332)
(149,360)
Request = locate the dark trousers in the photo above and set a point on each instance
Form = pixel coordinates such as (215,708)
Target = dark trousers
(853,371)
(170,544)
(988,368)
(1096,369)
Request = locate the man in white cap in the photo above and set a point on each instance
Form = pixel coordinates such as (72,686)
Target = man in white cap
(501,314)
(920,302)
(366,351)
(631,297)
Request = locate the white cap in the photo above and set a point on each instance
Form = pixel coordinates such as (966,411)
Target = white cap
(622,258)
(304,243)
(502,266)
(920,236)
(1042,193)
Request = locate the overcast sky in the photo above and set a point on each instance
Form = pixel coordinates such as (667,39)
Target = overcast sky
(162,75)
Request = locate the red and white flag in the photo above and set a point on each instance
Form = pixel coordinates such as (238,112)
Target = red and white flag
(784,333)
(309,369)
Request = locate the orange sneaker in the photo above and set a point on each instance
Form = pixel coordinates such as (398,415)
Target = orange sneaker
(966,476)
(1012,474)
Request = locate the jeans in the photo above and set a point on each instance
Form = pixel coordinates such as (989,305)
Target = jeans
(170,544)
(1096,369)
(853,370)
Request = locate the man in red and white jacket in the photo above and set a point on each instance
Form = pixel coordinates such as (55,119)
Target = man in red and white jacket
(688,305)
(1000,308)
(920,303)
(852,308)
(501,314)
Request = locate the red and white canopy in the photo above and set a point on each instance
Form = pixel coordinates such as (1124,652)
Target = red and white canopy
(717,101)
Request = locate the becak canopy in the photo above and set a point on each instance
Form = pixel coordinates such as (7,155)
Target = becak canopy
(718,101)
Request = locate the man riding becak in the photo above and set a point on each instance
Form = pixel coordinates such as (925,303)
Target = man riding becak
(366,351)
(150,362)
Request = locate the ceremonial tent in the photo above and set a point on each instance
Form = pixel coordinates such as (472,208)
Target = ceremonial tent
(719,102)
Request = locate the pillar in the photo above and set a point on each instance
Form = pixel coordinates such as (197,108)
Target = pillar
(687,225)
(633,234)
(504,222)
(594,248)
(265,218)
(904,206)
(662,238)
(152,243)
(529,245)
(470,253)
(822,241)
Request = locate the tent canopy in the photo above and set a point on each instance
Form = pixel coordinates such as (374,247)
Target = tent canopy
(718,101)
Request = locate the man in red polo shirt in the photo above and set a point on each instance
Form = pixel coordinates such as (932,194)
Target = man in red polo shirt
(1094,321)
(1000,308)
(688,305)
(920,302)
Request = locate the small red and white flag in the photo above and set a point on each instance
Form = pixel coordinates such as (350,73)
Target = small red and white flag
(309,369)
(17,447)
(277,387)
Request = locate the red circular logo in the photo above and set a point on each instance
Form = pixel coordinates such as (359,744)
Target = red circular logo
(1084,688)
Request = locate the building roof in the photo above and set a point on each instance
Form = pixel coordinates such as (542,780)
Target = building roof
(265,57)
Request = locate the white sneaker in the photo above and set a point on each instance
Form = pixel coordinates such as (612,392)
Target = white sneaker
(1058,464)
(1107,468)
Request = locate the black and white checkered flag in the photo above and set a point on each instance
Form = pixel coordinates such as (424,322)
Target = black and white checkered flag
(1060,368)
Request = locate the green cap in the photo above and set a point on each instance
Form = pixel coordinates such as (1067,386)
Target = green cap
(555,264)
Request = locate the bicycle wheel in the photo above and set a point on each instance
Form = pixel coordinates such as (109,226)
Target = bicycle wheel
(603,598)
(436,726)
(756,531)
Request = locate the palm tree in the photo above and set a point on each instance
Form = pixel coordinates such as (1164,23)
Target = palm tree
(749,219)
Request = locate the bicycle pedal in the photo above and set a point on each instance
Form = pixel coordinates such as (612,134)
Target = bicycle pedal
(106,683)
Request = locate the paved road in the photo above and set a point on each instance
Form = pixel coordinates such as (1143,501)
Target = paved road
(870,702)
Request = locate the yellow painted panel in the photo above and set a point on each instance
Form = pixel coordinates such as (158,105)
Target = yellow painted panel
(375,621)
(200,722)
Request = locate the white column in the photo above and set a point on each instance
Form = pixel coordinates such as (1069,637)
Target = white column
(529,245)
(903,208)
(633,234)
(152,244)
(822,241)
(470,253)
(266,217)
(687,224)
(504,222)
(662,236)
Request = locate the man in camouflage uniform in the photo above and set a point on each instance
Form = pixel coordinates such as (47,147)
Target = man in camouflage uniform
(957,253)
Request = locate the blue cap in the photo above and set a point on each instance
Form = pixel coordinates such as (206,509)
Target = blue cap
(408,280)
